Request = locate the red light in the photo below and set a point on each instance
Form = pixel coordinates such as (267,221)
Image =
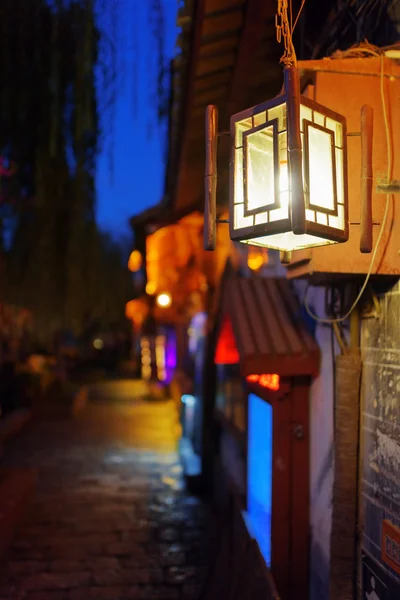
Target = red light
(270,381)
(226,352)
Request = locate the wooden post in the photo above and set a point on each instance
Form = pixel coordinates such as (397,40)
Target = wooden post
(210,179)
(300,486)
(345,488)
(367,116)
(295,160)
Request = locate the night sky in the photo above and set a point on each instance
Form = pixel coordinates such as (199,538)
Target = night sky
(137,178)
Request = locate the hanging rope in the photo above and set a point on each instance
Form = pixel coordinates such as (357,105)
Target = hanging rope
(284,30)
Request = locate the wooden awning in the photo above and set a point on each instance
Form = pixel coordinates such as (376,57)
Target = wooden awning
(268,327)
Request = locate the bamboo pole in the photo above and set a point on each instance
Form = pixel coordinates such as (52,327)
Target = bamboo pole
(210,179)
(367,116)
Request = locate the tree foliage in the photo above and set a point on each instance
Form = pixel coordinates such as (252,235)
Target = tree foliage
(59,77)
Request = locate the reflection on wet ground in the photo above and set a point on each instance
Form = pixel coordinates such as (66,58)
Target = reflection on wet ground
(111,520)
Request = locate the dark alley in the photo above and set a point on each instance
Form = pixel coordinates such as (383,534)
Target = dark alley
(199,300)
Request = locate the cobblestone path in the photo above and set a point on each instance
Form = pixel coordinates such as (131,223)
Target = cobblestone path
(111,520)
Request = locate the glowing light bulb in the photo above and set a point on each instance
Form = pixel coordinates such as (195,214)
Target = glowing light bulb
(164,300)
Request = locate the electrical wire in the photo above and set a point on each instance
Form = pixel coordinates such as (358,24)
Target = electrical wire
(367,49)
(298,14)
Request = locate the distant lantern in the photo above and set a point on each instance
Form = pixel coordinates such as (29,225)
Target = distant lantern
(164,300)
(151,288)
(146,353)
(256,258)
(137,311)
(135,261)
(288,173)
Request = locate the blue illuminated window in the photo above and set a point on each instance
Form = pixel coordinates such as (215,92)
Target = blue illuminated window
(260,417)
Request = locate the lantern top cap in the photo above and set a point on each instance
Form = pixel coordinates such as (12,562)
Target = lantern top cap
(283,99)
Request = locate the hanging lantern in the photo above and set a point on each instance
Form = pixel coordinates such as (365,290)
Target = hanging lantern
(137,311)
(135,261)
(288,172)
(148,336)
(153,353)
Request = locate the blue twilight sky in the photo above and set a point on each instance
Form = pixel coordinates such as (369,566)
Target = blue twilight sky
(137,177)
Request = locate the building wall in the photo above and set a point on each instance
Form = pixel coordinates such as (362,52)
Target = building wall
(380,433)
(321,450)
(380,444)
(380,439)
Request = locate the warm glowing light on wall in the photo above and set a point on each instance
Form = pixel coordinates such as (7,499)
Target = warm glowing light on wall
(164,300)
(136,311)
(257,258)
(135,261)
(160,358)
(151,288)
(130,309)
(288,173)
(268,381)
(145,347)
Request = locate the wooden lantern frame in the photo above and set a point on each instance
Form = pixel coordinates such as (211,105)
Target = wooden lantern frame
(299,203)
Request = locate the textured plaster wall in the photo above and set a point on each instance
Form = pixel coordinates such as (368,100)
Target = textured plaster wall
(321,453)
(381,428)
(380,443)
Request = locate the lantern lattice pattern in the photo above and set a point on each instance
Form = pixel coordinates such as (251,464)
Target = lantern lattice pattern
(265,182)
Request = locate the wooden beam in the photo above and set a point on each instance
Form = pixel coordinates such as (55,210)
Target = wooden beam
(198,18)
(253,30)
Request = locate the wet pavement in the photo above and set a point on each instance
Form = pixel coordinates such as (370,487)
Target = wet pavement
(111,519)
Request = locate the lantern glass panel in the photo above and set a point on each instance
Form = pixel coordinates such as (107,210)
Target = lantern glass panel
(260,182)
(319,119)
(240,129)
(288,241)
(305,115)
(321,169)
(240,219)
(339,175)
(278,114)
(239,181)
(260,169)
(260,118)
